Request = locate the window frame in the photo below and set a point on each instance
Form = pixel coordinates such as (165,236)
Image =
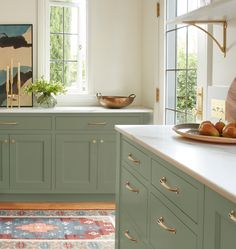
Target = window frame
(72,97)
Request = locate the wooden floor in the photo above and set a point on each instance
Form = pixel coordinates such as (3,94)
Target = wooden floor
(56,205)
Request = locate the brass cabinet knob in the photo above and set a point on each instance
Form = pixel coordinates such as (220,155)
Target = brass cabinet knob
(101,141)
(13,141)
(5,141)
(94,141)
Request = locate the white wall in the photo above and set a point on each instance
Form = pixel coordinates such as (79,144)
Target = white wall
(115,47)
(224,69)
(21,12)
(114,40)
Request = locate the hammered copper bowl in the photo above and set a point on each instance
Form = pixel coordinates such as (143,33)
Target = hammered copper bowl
(115,102)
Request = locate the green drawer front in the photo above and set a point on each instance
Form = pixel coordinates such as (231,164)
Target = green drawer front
(94,122)
(135,203)
(129,238)
(160,238)
(136,159)
(25,123)
(187,196)
(220,222)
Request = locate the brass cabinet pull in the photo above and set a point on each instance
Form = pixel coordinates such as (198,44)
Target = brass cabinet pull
(126,233)
(232,215)
(13,141)
(94,141)
(101,141)
(132,159)
(127,185)
(5,141)
(163,182)
(160,222)
(97,123)
(8,123)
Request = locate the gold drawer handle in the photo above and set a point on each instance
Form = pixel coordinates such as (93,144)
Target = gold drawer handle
(8,123)
(5,141)
(132,159)
(126,233)
(127,185)
(163,182)
(98,123)
(232,216)
(160,222)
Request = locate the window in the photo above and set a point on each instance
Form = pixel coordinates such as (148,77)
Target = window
(68,48)
(181,65)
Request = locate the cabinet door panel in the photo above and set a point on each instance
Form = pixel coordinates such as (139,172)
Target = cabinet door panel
(106,164)
(76,163)
(30,162)
(4,162)
(220,229)
(161,219)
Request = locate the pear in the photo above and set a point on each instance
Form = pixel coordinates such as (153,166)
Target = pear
(219,126)
(229,130)
(208,129)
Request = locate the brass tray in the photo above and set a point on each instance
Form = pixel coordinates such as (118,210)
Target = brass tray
(115,102)
(191,131)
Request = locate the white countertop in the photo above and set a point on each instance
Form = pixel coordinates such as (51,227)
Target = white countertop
(211,164)
(79,109)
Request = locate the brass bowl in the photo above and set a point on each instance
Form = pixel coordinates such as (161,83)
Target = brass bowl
(115,102)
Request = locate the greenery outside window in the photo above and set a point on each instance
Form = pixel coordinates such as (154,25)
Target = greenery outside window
(181,65)
(68,44)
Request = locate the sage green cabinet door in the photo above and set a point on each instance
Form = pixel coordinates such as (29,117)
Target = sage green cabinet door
(76,163)
(4,162)
(30,163)
(106,164)
(220,222)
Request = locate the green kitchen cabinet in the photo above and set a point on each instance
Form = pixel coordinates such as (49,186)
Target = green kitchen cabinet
(76,159)
(106,163)
(4,162)
(220,222)
(85,163)
(30,162)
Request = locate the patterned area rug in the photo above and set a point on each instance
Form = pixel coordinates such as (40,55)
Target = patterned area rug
(57,229)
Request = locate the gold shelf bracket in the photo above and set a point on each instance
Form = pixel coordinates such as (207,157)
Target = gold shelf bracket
(224,26)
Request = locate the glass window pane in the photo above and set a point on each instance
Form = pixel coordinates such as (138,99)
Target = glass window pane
(71,47)
(56,47)
(170,117)
(182,7)
(56,19)
(192,47)
(192,5)
(71,20)
(181,48)
(171,13)
(181,118)
(71,75)
(170,89)
(56,71)
(181,90)
(171,50)
(191,89)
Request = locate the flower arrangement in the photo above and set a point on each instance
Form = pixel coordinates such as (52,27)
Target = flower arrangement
(43,91)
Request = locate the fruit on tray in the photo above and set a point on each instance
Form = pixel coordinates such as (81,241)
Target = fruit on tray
(208,129)
(220,126)
(229,130)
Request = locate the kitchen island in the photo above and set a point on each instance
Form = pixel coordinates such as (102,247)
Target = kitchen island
(173,192)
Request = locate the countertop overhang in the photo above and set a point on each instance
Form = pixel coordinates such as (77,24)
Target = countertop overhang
(214,165)
(79,109)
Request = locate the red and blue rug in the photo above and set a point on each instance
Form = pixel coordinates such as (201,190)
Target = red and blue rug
(57,229)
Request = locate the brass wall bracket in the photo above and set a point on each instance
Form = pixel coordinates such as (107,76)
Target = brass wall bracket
(224,26)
